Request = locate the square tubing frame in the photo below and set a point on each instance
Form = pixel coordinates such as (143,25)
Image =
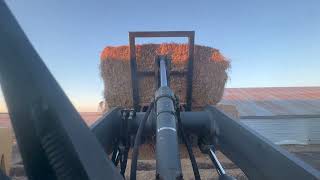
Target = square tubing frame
(133,63)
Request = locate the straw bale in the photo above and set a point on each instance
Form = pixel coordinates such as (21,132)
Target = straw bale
(209,78)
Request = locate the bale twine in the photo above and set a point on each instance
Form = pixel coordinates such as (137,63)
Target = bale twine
(209,77)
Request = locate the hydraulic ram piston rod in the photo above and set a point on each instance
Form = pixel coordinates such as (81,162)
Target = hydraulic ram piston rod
(216,162)
(163,72)
(167,149)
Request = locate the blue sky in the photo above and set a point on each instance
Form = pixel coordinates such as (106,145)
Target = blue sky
(270,43)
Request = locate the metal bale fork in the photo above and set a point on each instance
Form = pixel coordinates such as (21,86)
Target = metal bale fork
(55,142)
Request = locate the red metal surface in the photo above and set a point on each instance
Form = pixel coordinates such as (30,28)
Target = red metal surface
(4,120)
(89,117)
(269,92)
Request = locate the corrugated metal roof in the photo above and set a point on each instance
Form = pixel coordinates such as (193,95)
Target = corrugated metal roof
(284,115)
(287,131)
(274,101)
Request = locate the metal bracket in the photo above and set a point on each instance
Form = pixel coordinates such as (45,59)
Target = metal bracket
(133,64)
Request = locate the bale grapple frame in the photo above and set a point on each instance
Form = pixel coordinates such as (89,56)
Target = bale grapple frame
(136,75)
(55,142)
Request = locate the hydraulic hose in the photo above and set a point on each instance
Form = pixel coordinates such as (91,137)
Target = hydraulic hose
(137,141)
(189,149)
